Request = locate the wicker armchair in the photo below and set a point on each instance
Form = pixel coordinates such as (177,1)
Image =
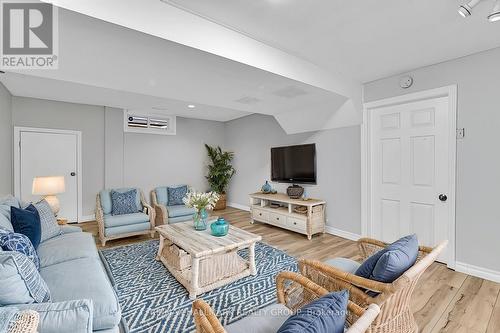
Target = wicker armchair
(162,211)
(105,236)
(294,291)
(393,298)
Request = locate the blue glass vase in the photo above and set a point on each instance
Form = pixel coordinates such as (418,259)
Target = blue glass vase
(266,188)
(200,219)
(220,227)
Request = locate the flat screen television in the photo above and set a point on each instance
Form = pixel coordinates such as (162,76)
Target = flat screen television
(294,164)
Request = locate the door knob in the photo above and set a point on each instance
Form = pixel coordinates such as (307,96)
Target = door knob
(443,197)
(73,174)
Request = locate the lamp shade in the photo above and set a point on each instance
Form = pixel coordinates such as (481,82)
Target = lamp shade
(48,185)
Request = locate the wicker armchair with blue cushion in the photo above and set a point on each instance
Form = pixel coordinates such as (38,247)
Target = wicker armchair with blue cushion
(168,205)
(123,213)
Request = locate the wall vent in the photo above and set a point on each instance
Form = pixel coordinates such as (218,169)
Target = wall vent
(140,121)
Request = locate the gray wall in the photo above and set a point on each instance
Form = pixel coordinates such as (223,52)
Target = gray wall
(478,158)
(6,176)
(88,119)
(149,160)
(338,165)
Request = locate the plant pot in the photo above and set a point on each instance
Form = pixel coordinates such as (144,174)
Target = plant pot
(221,203)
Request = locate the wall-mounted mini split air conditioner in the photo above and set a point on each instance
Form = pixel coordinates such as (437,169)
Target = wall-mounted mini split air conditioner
(141,121)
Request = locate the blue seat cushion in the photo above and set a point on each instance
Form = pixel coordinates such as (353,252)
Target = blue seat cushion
(67,247)
(265,320)
(125,229)
(324,315)
(85,278)
(27,222)
(397,259)
(105,196)
(180,210)
(128,219)
(344,264)
(161,195)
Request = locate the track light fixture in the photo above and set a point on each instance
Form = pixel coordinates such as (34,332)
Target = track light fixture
(466,9)
(495,14)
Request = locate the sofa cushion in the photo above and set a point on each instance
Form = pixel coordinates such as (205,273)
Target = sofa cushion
(123,202)
(48,221)
(176,194)
(27,222)
(397,259)
(67,247)
(180,210)
(344,264)
(161,195)
(11,241)
(120,220)
(67,229)
(85,278)
(324,315)
(5,222)
(20,280)
(105,196)
(266,320)
(70,316)
(5,204)
(125,229)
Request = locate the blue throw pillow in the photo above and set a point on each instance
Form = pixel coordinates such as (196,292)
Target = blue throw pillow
(123,203)
(176,194)
(397,259)
(10,241)
(324,315)
(367,267)
(27,222)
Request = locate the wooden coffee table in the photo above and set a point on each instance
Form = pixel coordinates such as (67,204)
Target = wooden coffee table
(202,262)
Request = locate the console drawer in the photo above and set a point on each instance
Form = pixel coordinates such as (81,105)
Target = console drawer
(277,219)
(260,214)
(297,224)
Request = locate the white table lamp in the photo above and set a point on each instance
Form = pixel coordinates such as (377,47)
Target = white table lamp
(48,187)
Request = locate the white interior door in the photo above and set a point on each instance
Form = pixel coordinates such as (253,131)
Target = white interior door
(50,154)
(410,176)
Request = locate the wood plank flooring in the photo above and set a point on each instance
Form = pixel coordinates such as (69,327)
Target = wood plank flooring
(444,300)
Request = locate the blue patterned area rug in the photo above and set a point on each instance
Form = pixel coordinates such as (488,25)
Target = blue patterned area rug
(153,301)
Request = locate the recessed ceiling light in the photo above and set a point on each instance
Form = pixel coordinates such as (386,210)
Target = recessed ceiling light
(495,14)
(191,106)
(466,10)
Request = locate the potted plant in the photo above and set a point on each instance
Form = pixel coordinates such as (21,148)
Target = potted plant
(220,172)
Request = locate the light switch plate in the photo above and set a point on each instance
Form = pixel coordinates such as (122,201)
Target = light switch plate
(460,133)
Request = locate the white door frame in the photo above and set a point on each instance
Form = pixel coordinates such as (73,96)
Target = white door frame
(366,169)
(17,161)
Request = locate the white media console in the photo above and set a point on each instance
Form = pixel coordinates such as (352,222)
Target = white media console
(283,216)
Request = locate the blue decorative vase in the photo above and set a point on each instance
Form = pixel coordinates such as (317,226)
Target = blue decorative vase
(267,188)
(220,227)
(200,219)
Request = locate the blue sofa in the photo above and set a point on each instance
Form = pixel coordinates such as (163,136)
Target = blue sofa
(120,226)
(83,298)
(165,213)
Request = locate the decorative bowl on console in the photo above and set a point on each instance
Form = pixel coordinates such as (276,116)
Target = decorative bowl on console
(295,191)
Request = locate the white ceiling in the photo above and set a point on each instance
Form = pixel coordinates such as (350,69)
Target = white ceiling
(362,39)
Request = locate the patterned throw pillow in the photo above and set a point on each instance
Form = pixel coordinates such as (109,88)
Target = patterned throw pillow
(123,203)
(48,221)
(10,241)
(24,280)
(175,195)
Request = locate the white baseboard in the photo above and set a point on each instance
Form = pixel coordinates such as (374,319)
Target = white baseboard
(238,206)
(341,233)
(86,218)
(484,273)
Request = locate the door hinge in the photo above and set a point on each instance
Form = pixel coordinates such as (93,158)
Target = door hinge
(460,133)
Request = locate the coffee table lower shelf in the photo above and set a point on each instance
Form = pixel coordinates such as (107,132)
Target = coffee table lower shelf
(210,272)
